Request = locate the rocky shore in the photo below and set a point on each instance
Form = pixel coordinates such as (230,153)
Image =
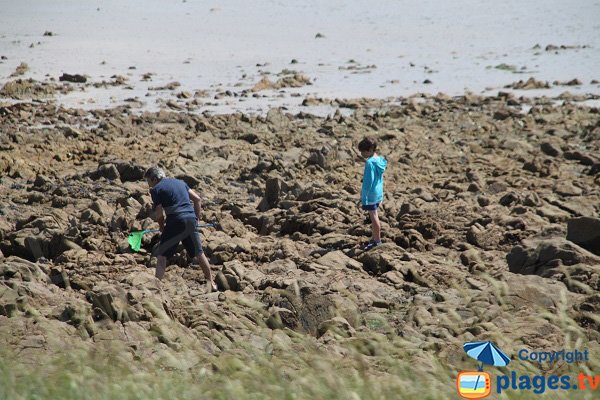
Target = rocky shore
(490,223)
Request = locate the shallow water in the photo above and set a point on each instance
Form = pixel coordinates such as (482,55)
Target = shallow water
(219,45)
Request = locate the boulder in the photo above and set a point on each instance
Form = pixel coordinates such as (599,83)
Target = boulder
(23,270)
(552,213)
(75,78)
(337,326)
(130,172)
(567,189)
(381,259)
(277,118)
(279,267)
(42,182)
(534,256)
(111,302)
(550,149)
(91,216)
(578,278)
(108,171)
(274,188)
(486,238)
(470,257)
(585,232)
(33,243)
(579,156)
(336,260)
(8,301)
(227,281)
(307,309)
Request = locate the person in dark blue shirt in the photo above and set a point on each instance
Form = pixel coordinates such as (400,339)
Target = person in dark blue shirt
(182,207)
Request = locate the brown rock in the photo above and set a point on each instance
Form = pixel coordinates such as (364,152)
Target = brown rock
(550,149)
(76,78)
(535,256)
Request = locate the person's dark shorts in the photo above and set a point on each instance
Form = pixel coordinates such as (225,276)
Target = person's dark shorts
(370,207)
(180,230)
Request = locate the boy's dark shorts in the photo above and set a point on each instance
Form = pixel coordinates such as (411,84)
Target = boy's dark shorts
(180,230)
(370,207)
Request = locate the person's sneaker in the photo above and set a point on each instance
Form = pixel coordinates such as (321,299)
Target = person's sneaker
(372,244)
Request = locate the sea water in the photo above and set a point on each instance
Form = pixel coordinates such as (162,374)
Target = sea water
(348,49)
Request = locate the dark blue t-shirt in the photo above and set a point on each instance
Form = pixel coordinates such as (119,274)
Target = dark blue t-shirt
(172,195)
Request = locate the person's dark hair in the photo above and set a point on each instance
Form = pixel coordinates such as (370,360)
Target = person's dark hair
(155,172)
(367,144)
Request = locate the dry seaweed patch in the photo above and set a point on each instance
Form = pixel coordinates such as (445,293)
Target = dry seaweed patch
(289,79)
(31,89)
(26,89)
(478,196)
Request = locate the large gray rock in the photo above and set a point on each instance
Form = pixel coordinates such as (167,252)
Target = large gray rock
(585,232)
(534,256)
(40,237)
(130,172)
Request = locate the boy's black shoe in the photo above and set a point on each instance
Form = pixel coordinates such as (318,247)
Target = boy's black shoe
(372,244)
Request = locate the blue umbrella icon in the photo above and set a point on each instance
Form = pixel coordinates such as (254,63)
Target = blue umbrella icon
(486,353)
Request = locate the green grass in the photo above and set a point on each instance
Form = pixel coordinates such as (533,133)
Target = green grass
(375,363)
(249,374)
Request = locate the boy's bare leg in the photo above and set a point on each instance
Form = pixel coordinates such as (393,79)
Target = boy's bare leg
(375,226)
(205,265)
(161,266)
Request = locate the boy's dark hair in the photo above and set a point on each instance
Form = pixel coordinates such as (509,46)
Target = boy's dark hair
(367,144)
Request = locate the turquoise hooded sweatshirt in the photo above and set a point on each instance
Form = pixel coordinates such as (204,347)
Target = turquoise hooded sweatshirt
(372,185)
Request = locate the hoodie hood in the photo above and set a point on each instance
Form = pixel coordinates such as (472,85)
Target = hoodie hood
(379,162)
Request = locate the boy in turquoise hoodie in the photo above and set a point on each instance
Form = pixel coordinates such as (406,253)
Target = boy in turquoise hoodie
(371,194)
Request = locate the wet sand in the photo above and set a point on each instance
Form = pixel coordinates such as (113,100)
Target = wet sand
(345,49)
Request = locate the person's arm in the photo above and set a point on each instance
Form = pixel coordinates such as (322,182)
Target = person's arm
(197,200)
(158,215)
(368,180)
